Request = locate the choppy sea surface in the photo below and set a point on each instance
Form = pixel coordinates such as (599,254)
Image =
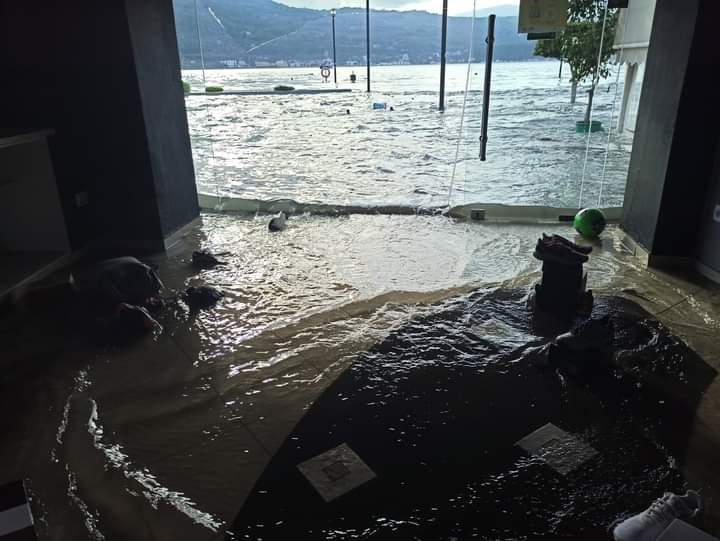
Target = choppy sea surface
(335,148)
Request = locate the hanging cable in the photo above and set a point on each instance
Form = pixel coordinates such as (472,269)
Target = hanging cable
(202,54)
(213,160)
(465,97)
(594,84)
(612,109)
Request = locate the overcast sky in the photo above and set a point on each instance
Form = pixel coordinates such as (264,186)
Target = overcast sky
(454,6)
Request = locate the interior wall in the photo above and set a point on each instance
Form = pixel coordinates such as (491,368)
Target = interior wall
(82,69)
(28,190)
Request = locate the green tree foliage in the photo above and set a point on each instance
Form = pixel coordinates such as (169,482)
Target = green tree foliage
(579,43)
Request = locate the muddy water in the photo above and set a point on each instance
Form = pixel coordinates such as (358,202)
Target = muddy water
(435,410)
(164,438)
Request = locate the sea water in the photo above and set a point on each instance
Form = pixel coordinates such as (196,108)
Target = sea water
(336,148)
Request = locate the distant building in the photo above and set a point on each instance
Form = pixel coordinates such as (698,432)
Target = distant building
(263,64)
(281,64)
(229,63)
(632,40)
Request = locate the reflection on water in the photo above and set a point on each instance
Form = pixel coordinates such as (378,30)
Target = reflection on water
(321,154)
(174,431)
(435,410)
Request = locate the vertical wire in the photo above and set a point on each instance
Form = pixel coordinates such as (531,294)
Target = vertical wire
(595,82)
(202,54)
(213,165)
(612,110)
(462,115)
(467,225)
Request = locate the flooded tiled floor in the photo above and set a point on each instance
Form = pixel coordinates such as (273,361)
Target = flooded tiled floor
(165,438)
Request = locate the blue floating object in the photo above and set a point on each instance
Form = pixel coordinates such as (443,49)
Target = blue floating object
(379,105)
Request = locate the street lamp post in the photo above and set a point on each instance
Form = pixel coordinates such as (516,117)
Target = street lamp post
(443,54)
(367,40)
(333,12)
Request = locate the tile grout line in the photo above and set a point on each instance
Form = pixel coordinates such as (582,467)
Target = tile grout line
(678,303)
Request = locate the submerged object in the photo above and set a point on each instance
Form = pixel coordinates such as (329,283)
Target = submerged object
(336,472)
(560,450)
(205,260)
(649,524)
(576,247)
(16,519)
(562,290)
(559,250)
(278,223)
(593,333)
(119,280)
(590,223)
(127,323)
(582,126)
(202,297)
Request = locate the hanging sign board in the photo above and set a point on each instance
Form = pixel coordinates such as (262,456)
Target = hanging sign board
(542,16)
(542,35)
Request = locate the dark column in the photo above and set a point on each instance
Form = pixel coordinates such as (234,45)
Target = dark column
(675,134)
(105,76)
(157,63)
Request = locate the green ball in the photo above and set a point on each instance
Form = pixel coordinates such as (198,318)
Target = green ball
(589,223)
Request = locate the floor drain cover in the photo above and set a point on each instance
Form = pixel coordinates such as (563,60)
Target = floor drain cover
(562,451)
(336,472)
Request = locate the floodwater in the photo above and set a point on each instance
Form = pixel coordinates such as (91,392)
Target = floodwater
(165,438)
(436,409)
(308,148)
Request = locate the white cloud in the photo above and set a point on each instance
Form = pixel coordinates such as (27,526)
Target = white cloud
(435,6)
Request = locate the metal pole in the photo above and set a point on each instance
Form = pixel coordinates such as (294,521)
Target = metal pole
(334,56)
(443,50)
(486,90)
(367,40)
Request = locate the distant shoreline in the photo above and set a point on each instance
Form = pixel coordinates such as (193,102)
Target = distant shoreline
(363,67)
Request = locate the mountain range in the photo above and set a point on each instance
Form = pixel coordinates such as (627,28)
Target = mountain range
(263,33)
(504,10)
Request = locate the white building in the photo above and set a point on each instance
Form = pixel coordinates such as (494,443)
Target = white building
(632,40)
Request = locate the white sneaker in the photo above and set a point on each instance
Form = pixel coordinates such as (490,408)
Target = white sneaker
(649,524)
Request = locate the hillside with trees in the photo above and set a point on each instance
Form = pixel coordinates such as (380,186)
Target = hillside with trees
(263,32)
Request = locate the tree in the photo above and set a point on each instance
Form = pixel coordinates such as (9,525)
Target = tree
(579,45)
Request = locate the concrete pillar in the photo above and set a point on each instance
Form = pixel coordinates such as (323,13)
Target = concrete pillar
(630,74)
(675,133)
(157,64)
